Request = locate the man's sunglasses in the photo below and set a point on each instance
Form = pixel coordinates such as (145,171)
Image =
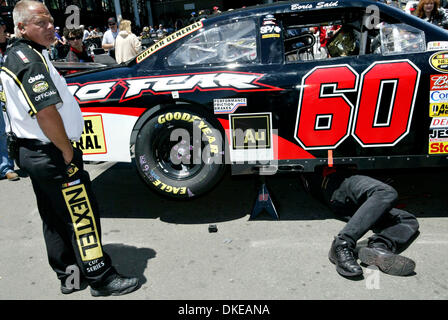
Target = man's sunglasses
(74,38)
(112,24)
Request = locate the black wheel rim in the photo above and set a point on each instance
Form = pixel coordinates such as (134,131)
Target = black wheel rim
(177,159)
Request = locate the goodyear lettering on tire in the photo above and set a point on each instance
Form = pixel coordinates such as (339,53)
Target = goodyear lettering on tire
(201,124)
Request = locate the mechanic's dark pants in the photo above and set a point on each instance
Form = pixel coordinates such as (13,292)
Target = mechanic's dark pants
(370,203)
(69,212)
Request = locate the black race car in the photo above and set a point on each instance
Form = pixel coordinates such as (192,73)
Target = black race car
(287,86)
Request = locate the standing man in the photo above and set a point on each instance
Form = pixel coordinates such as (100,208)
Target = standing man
(46,118)
(85,33)
(368,204)
(6,163)
(58,45)
(109,36)
(161,31)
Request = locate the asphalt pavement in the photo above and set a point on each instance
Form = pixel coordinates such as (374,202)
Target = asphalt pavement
(167,243)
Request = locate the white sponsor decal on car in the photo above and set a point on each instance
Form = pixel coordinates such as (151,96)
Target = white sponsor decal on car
(193,82)
(437,123)
(173,85)
(438,96)
(319,5)
(93,91)
(437,45)
(168,40)
(221,106)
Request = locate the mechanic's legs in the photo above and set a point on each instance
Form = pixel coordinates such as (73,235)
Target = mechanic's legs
(373,199)
(395,229)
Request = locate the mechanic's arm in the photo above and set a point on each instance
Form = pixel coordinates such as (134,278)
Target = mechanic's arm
(51,123)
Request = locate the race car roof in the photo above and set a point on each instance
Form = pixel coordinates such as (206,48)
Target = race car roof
(292,6)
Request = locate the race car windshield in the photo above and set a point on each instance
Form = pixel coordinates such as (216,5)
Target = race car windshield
(401,38)
(234,42)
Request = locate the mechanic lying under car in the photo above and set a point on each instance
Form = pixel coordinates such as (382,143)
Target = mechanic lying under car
(367,204)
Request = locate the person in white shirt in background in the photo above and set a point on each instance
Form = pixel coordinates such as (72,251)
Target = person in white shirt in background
(108,43)
(85,33)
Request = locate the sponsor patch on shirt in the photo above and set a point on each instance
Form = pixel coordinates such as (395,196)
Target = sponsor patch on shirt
(22,56)
(40,86)
(70,184)
(44,95)
(40,76)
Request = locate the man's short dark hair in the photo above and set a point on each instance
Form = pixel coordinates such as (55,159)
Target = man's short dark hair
(73,32)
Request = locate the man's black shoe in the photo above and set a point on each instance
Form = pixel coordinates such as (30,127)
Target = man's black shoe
(386,260)
(118,286)
(341,254)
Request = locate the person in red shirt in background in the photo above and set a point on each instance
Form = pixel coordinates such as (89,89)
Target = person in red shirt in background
(77,52)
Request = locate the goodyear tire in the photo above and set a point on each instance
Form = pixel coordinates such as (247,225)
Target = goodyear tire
(179,153)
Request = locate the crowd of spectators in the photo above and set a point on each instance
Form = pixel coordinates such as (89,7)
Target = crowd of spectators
(432,11)
(121,40)
(75,39)
(79,44)
(131,39)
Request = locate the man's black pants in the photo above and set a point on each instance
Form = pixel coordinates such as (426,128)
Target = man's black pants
(69,212)
(370,203)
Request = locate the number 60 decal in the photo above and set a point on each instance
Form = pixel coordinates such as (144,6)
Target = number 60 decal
(325,120)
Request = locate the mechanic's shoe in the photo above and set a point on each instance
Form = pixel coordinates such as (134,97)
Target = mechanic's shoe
(12,176)
(67,289)
(118,286)
(341,254)
(387,261)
